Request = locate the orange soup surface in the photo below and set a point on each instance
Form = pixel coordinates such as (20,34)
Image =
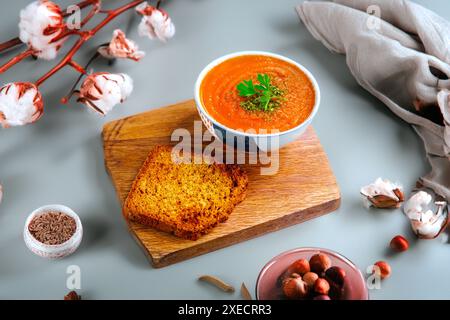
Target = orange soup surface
(220,97)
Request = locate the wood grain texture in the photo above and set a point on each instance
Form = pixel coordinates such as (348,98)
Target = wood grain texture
(303,188)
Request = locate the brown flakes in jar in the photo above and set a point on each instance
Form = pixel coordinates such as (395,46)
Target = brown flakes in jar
(52,228)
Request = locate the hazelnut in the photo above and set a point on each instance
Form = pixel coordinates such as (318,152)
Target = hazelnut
(321,286)
(72,295)
(300,266)
(399,243)
(335,275)
(336,293)
(310,278)
(319,263)
(382,268)
(322,297)
(295,288)
(336,279)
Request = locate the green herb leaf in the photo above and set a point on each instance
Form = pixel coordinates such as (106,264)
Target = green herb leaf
(264,81)
(263,96)
(265,99)
(246,88)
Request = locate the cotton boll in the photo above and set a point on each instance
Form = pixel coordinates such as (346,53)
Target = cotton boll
(40,22)
(155,23)
(382,194)
(126,86)
(20,103)
(121,47)
(416,206)
(426,222)
(103,91)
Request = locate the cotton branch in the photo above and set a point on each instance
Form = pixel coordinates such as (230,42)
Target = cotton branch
(85,36)
(16,41)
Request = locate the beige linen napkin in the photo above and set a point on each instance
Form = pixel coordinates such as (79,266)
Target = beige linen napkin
(400,52)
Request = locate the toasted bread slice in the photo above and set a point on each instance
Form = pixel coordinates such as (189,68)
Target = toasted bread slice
(185,199)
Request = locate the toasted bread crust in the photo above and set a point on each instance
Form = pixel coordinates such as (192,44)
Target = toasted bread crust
(190,222)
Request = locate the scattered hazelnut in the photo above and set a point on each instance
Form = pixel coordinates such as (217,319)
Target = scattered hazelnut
(321,286)
(295,288)
(310,278)
(322,297)
(72,295)
(335,275)
(300,266)
(319,263)
(399,243)
(382,268)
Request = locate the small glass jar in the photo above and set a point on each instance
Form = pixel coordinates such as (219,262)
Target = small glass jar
(53,251)
(268,287)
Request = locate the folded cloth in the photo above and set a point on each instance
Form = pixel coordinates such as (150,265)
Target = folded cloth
(400,52)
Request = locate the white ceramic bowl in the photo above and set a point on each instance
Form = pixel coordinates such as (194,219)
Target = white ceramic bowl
(53,251)
(263,142)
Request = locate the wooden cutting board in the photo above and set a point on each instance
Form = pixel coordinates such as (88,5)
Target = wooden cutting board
(303,188)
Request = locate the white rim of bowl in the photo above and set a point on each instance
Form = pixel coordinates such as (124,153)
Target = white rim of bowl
(221,59)
(48,208)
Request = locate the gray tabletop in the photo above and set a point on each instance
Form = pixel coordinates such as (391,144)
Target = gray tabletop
(60,160)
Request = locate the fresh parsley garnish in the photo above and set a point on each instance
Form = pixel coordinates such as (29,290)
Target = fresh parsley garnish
(246,88)
(263,96)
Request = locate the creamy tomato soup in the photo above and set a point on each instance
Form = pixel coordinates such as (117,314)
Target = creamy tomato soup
(222,101)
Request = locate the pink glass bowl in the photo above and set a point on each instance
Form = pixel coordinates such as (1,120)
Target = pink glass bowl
(268,285)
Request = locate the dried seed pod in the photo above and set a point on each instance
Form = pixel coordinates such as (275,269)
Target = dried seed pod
(382,194)
(217,282)
(245,293)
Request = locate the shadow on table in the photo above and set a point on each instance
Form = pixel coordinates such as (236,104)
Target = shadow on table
(107,230)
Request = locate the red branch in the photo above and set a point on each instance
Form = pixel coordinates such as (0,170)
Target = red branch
(16,59)
(85,36)
(10,44)
(96,4)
